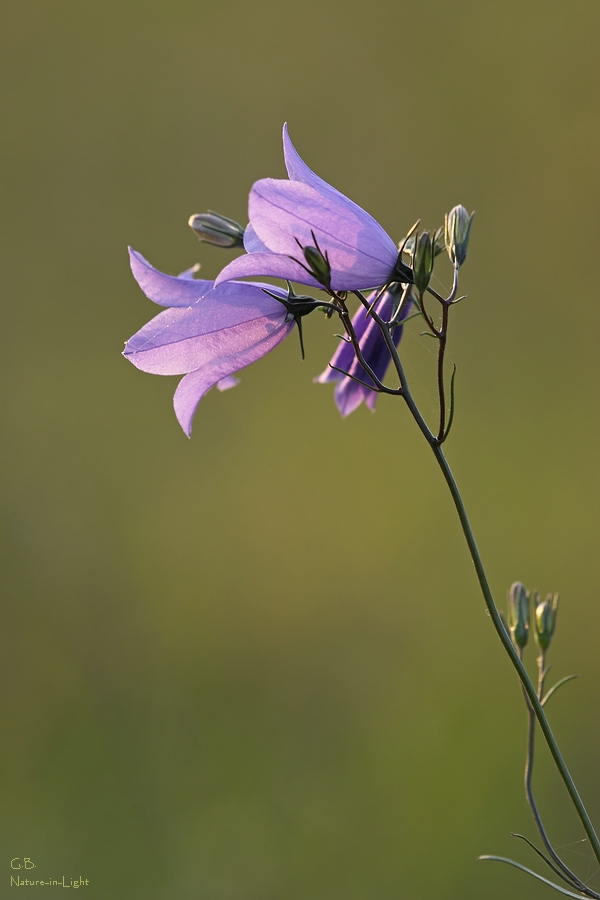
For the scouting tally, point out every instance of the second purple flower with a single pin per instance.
(287, 216)
(348, 393)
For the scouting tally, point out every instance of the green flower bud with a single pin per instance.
(518, 614)
(423, 261)
(217, 230)
(456, 234)
(318, 265)
(545, 620)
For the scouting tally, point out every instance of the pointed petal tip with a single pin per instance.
(348, 395)
(134, 256)
(225, 384)
(344, 413)
(328, 376)
(371, 400)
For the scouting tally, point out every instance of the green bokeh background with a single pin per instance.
(255, 665)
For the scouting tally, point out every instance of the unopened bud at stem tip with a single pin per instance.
(456, 233)
(217, 230)
(545, 620)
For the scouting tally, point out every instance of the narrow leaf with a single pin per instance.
(546, 859)
(556, 687)
(511, 862)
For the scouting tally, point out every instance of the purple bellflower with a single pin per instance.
(206, 334)
(349, 394)
(287, 216)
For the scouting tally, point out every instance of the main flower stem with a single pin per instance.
(528, 687)
(512, 651)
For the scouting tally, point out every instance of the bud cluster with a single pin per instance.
(453, 236)
(544, 616)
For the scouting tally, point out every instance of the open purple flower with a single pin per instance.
(349, 394)
(206, 334)
(305, 212)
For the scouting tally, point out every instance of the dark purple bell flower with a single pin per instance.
(349, 394)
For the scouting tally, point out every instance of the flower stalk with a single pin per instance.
(435, 442)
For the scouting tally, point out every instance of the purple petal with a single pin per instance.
(348, 396)
(194, 386)
(189, 274)
(371, 399)
(225, 384)
(298, 170)
(166, 290)
(208, 332)
(285, 214)
(265, 265)
(252, 243)
(180, 340)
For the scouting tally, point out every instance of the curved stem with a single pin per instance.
(512, 652)
(501, 631)
(546, 859)
(511, 862)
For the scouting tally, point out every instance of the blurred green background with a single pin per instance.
(255, 665)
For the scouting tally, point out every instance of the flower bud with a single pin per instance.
(518, 614)
(218, 230)
(456, 234)
(545, 620)
(318, 265)
(423, 261)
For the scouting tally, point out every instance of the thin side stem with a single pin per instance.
(442, 339)
(347, 323)
(564, 869)
(429, 437)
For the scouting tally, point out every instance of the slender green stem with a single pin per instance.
(512, 652)
(442, 338)
(556, 686)
(501, 631)
(546, 859)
